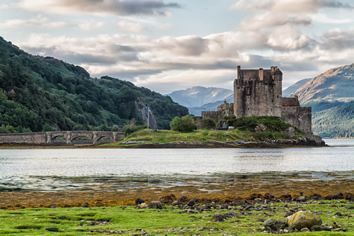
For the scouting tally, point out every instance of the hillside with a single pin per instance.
(329, 89)
(43, 93)
(199, 96)
(335, 122)
(294, 87)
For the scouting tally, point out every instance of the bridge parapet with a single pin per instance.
(49, 137)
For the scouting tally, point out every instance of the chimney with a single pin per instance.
(261, 75)
(238, 72)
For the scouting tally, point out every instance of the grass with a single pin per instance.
(167, 136)
(245, 131)
(169, 221)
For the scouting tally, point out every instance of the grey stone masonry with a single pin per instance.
(49, 137)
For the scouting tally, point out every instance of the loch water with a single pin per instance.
(39, 168)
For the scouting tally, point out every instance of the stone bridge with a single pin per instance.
(67, 136)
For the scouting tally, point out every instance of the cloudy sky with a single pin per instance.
(167, 45)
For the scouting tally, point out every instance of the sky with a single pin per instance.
(169, 45)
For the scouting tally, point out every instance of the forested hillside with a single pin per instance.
(335, 122)
(43, 93)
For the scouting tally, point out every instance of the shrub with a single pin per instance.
(208, 123)
(184, 124)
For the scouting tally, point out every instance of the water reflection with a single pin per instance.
(51, 169)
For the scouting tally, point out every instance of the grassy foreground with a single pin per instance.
(168, 221)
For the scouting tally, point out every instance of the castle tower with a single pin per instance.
(258, 92)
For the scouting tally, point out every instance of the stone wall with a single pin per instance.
(300, 117)
(216, 116)
(28, 138)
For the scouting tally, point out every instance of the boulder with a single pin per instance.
(274, 225)
(303, 219)
(155, 205)
(139, 201)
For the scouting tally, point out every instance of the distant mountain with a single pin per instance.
(199, 96)
(294, 87)
(335, 122)
(209, 106)
(334, 87)
(43, 93)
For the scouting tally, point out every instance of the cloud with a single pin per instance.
(337, 39)
(289, 5)
(37, 22)
(322, 18)
(130, 27)
(4, 6)
(287, 38)
(113, 7)
(88, 26)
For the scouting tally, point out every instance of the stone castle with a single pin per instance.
(259, 93)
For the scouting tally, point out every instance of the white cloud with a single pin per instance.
(89, 26)
(287, 38)
(4, 6)
(38, 21)
(130, 27)
(114, 7)
(322, 18)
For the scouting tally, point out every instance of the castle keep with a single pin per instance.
(259, 93)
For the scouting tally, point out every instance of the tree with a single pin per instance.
(184, 124)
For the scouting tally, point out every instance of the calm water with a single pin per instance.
(18, 166)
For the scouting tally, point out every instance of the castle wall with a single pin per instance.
(300, 117)
(258, 93)
(216, 116)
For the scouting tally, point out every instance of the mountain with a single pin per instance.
(335, 122)
(43, 93)
(209, 106)
(332, 88)
(294, 87)
(198, 96)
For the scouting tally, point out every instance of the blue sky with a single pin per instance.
(176, 44)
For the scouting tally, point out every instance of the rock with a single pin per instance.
(291, 132)
(338, 214)
(138, 201)
(155, 205)
(260, 128)
(320, 228)
(168, 199)
(85, 205)
(191, 203)
(52, 229)
(183, 199)
(305, 230)
(274, 225)
(303, 219)
(219, 217)
(301, 199)
(142, 206)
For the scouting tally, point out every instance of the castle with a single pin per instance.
(259, 93)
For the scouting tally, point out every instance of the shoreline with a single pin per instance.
(285, 190)
(111, 191)
(174, 145)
